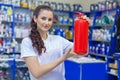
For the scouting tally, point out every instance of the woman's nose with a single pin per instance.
(46, 22)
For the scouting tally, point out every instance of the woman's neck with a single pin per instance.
(44, 35)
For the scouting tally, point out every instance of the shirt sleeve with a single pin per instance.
(27, 48)
(66, 44)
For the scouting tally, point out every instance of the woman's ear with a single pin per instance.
(35, 19)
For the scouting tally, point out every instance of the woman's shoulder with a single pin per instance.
(26, 39)
(55, 37)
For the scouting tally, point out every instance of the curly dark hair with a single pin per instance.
(37, 41)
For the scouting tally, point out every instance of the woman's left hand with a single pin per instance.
(87, 18)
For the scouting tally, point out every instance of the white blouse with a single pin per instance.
(55, 47)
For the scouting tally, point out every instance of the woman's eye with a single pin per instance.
(50, 19)
(43, 18)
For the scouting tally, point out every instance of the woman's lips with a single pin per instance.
(46, 27)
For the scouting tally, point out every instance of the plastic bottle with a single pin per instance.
(80, 35)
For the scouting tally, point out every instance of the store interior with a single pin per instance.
(102, 61)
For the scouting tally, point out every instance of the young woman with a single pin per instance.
(43, 53)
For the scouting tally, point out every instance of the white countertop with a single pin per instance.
(85, 60)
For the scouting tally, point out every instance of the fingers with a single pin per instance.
(69, 51)
(87, 18)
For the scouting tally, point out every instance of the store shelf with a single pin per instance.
(6, 59)
(111, 57)
(113, 74)
(5, 37)
(22, 23)
(101, 41)
(64, 25)
(20, 7)
(62, 11)
(104, 26)
(19, 60)
(113, 66)
(104, 11)
(5, 22)
(96, 54)
(9, 5)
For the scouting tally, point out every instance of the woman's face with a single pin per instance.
(44, 20)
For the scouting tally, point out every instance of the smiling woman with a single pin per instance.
(43, 53)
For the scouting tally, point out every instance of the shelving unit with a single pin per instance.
(101, 47)
(11, 66)
(112, 62)
(7, 61)
(22, 28)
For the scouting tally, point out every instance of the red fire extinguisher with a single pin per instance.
(80, 35)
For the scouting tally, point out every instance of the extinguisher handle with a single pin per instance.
(79, 14)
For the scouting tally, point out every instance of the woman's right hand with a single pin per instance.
(69, 53)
